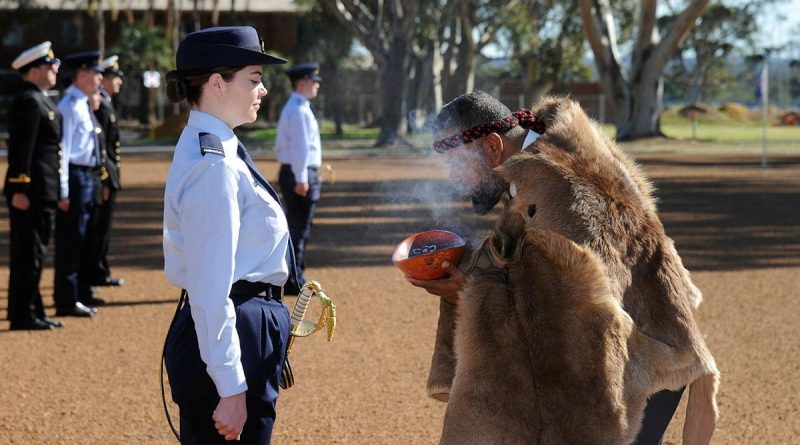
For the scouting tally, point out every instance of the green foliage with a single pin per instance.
(701, 69)
(546, 39)
(327, 132)
(142, 48)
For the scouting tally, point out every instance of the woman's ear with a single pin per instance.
(216, 84)
(492, 147)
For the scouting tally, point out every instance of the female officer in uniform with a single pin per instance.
(226, 243)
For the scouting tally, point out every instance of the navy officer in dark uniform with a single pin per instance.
(299, 150)
(226, 243)
(81, 165)
(99, 270)
(31, 184)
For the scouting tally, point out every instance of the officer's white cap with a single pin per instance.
(109, 62)
(42, 50)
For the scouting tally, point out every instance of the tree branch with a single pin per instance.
(677, 34)
(598, 24)
(647, 35)
(493, 25)
(360, 26)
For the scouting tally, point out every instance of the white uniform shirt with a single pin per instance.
(220, 226)
(297, 142)
(78, 134)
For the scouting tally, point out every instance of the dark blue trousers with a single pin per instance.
(660, 408)
(263, 329)
(299, 212)
(30, 233)
(72, 241)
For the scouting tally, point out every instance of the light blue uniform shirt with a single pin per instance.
(78, 134)
(297, 142)
(220, 226)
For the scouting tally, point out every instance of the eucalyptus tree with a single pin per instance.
(546, 44)
(702, 66)
(386, 29)
(634, 92)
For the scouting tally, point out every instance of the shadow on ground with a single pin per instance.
(736, 220)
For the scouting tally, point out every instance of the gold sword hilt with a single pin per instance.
(298, 314)
(304, 328)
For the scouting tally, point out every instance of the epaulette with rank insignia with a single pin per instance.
(210, 143)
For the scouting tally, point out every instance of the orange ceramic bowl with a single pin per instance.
(421, 255)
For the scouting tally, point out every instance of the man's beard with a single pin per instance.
(488, 192)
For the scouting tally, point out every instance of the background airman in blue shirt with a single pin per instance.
(299, 151)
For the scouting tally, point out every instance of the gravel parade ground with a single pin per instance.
(96, 381)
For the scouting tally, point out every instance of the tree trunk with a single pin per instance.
(196, 16)
(393, 92)
(643, 109)
(634, 103)
(436, 76)
(463, 80)
(215, 13)
(101, 28)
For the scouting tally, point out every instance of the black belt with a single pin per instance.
(81, 167)
(310, 167)
(249, 288)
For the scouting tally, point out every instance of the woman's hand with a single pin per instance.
(301, 188)
(230, 415)
(447, 287)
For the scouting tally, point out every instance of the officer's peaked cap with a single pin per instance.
(110, 66)
(39, 54)
(223, 46)
(304, 71)
(83, 60)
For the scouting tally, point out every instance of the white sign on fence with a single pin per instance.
(152, 79)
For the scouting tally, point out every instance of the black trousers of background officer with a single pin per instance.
(30, 234)
(299, 214)
(72, 283)
(100, 239)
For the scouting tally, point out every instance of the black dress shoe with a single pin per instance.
(53, 322)
(79, 310)
(31, 325)
(108, 281)
(92, 301)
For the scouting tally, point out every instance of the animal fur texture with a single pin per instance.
(579, 308)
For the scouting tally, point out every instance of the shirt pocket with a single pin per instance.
(269, 210)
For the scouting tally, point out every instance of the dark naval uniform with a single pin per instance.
(100, 237)
(33, 169)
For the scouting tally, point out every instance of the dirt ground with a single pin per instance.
(96, 381)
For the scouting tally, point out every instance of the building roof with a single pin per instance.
(203, 5)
